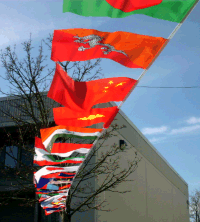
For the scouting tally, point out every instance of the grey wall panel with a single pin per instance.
(159, 196)
(152, 191)
(131, 135)
(180, 206)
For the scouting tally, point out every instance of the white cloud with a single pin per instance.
(193, 120)
(157, 139)
(154, 130)
(183, 130)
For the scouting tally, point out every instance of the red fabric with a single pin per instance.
(67, 147)
(56, 175)
(83, 95)
(54, 168)
(67, 117)
(68, 51)
(129, 49)
(131, 5)
(50, 212)
(66, 186)
(45, 162)
(39, 144)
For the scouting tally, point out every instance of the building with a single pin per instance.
(158, 193)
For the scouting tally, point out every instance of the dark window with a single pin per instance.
(2, 157)
(27, 157)
(122, 144)
(11, 157)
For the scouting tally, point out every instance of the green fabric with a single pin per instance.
(49, 194)
(169, 10)
(69, 136)
(69, 158)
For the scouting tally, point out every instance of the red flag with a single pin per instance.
(67, 117)
(83, 95)
(129, 49)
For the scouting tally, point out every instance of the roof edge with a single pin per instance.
(147, 141)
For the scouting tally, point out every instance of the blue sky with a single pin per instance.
(169, 118)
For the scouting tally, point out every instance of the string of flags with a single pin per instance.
(54, 179)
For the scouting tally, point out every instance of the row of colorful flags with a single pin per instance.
(58, 162)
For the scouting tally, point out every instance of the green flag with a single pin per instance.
(171, 10)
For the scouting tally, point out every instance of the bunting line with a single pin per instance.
(47, 204)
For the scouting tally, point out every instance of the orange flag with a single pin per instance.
(83, 95)
(67, 117)
(129, 49)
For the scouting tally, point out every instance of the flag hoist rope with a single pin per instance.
(141, 76)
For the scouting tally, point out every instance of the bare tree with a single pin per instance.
(195, 206)
(28, 109)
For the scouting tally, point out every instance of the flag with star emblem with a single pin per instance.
(81, 96)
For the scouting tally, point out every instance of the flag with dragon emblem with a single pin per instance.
(128, 49)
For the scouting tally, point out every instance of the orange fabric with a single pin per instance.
(141, 49)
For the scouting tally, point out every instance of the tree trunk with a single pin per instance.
(37, 213)
(65, 217)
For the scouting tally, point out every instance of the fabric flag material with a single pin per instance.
(66, 149)
(46, 196)
(65, 186)
(43, 161)
(43, 157)
(171, 10)
(60, 175)
(48, 170)
(131, 5)
(48, 203)
(60, 181)
(53, 210)
(68, 117)
(49, 135)
(51, 192)
(59, 204)
(49, 187)
(128, 49)
(83, 95)
(44, 182)
(43, 197)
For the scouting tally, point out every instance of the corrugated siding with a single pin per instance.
(12, 105)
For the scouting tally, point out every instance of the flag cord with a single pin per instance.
(168, 39)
